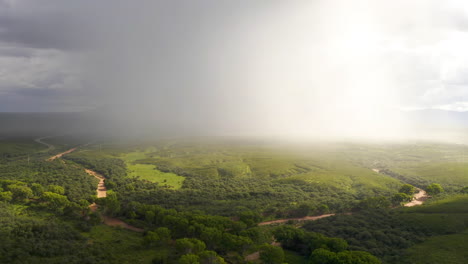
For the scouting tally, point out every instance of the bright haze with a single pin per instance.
(292, 69)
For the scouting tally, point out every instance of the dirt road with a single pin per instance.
(306, 218)
(101, 188)
(49, 146)
(418, 198)
(101, 193)
(61, 154)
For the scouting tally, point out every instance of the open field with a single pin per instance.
(150, 172)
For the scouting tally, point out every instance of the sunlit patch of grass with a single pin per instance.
(151, 173)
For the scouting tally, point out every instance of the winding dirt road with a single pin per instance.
(418, 198)
(101, 188)
(101, 192)
(49, 146)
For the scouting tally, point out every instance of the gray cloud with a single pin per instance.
(320, 67)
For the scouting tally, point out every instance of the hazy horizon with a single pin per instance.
(297, 70)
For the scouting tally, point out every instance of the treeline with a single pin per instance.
(77, 184)
(416, 181)
(320, 249)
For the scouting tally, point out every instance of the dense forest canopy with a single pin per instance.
(196, 201)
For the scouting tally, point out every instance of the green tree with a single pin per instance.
(211, 236)
(210, 257)
(189, 259)
(20, 192)
(56, 189)
(323, 256)
(6, 196)
(374, 203)
(289, 236)
(271, 254)
(232, 242)
(357, 257)
(323, 209)
(55, 201)
(408, 189)
(110, 202)
(151, 238)
(37, 189)
(161, 257)
(149, 217)
(336, 244)
(399, 198)
(164, 234)
(250, 218)
(464, 189)
(434, 189)
(189, 246)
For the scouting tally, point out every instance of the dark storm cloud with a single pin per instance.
(46, 24)
(232, 66)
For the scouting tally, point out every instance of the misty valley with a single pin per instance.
(69, 199)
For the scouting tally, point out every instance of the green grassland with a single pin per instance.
(150, 172)
(449, 249)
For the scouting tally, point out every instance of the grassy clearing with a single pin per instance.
(150, 172)
(449, 249)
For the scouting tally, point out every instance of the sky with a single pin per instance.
(253, 67)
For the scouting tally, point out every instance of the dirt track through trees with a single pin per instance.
(418, 198)
(306, 218)
(101, 192)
